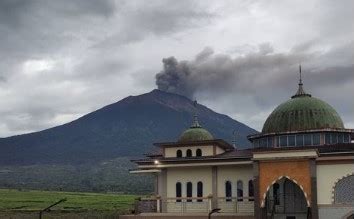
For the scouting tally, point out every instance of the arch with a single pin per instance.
(228, 191)
(240, 190)
(336, 184)
(178, 191)
(189, 153)
(250, 190)
(178, 153)
(200, 190)
(198, 152)
(275, 181)
(349, 215)
(189, 191)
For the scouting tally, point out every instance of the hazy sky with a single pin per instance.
(62, 59)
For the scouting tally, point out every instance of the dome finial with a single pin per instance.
(195, 123)
(300, 80)
(300, 91)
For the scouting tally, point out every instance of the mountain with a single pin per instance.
(123, 129)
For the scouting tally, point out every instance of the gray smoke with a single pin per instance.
(219, 73)
(262, 74)
(174, 77)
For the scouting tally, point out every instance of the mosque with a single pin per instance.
(300, 166)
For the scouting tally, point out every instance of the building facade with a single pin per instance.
(300, 166)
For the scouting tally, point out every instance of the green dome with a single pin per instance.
(300, 113)
(195, 134)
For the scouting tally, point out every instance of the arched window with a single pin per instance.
(198, 152)
(179, 153)
(276, 193)
(344, 190)
(178, 191)
(228, 191)
(189, 153)
(250, 190)
(200, 191)
(240, 190)
(189, 191)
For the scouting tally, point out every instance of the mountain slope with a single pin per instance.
(125, 128)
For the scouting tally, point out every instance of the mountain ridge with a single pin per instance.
(127, 127)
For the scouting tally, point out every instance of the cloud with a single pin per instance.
(59, 56)
(220, 73)
(63, 59)
(265, 76)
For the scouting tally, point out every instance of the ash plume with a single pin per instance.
(220, 73)
(259, 74)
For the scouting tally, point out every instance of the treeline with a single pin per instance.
(107, 176)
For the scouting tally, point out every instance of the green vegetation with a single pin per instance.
(108, 176)
(14, 202)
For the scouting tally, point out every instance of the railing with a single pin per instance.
(188, 204)
(244, 205)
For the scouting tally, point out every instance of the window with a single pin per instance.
(276, 193)
(299, 140)
(283, 140)
(200, 191)
(334, 139)
(239, 191)
(344, 190)
(250, 191)
(291, 140)
(228, 191)
(340, 137)
(189, 191)
(316, 139)
(307, 139)
(346, 138)
(178, 191)
(277, 141)
(327, 138)
(179, 153)
(270, 141)
(256, 143)
(189, 153)
(198, 152)
(263, 142)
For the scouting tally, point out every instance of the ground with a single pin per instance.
(27, 204)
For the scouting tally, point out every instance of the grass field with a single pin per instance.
(22, 202)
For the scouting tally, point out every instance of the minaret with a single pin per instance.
(300, 91)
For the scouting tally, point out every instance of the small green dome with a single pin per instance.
(195, 134)
(300, 113)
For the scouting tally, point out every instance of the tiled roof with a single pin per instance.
(221, 143)
(247, 154)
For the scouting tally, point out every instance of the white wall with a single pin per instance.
(233, 174)
(219, 150)
(189, 174)
(327, 175)
(206, 150)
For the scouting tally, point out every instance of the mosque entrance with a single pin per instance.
(286, 200)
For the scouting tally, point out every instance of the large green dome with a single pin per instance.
(195, 134)
(300, 113)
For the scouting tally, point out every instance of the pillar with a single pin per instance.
(313, 174)
(214, 189)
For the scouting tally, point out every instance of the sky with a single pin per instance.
(60, 60)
